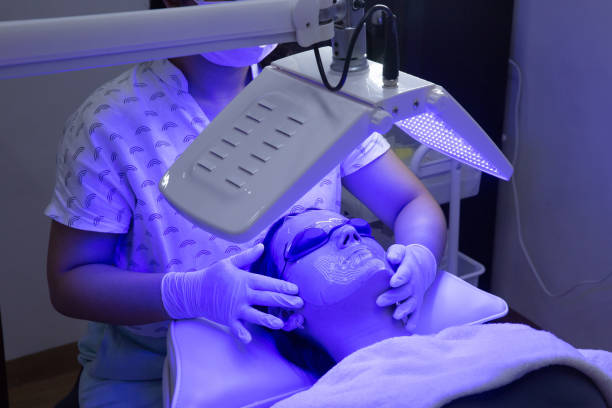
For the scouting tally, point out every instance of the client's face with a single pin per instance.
(327, 255)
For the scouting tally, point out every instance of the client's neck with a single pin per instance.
(356, 322)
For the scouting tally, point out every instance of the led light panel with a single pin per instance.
(432, 131)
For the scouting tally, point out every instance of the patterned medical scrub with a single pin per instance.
(115, 149)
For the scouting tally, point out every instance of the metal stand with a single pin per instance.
(454, 211)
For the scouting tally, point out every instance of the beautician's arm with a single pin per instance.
(84, 284)
(397, 197)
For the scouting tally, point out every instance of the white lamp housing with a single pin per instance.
(286, 131)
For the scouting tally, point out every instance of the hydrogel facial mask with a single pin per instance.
(336, 270)
(339, 276)
(343, 270)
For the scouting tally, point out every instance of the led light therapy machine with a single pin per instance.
(291, 125)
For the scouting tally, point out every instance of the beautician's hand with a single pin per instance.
(415, 270)
(225, 292)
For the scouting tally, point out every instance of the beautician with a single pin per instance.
(122, 258)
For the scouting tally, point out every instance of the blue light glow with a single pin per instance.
(430, 130)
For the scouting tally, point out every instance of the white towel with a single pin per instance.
(430, 371)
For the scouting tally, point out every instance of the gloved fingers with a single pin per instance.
(245, 258)
(240, 331)
(413, 320)
(395, 253)
(404, 272)
(405, 308)
(424, 260)
(262, 282)
(260, 318)
(274, 299)
(395, 295)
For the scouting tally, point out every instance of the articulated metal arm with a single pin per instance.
(42, 46)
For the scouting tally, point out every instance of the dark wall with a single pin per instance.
(462, 45)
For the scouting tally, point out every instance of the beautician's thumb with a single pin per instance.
(248, 256)
(395, 253)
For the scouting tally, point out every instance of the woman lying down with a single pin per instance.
(367, 359)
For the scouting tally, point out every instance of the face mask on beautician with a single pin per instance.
(237, 57)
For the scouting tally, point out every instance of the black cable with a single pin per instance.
(391, 62)
(391, 58)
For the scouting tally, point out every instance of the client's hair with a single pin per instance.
(295, 347)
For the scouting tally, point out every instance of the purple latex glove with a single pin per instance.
(225, 293)
(415, 270)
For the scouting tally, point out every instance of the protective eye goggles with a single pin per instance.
(314, 238)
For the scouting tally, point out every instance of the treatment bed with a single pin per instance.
(207, 367)
(257, 376)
